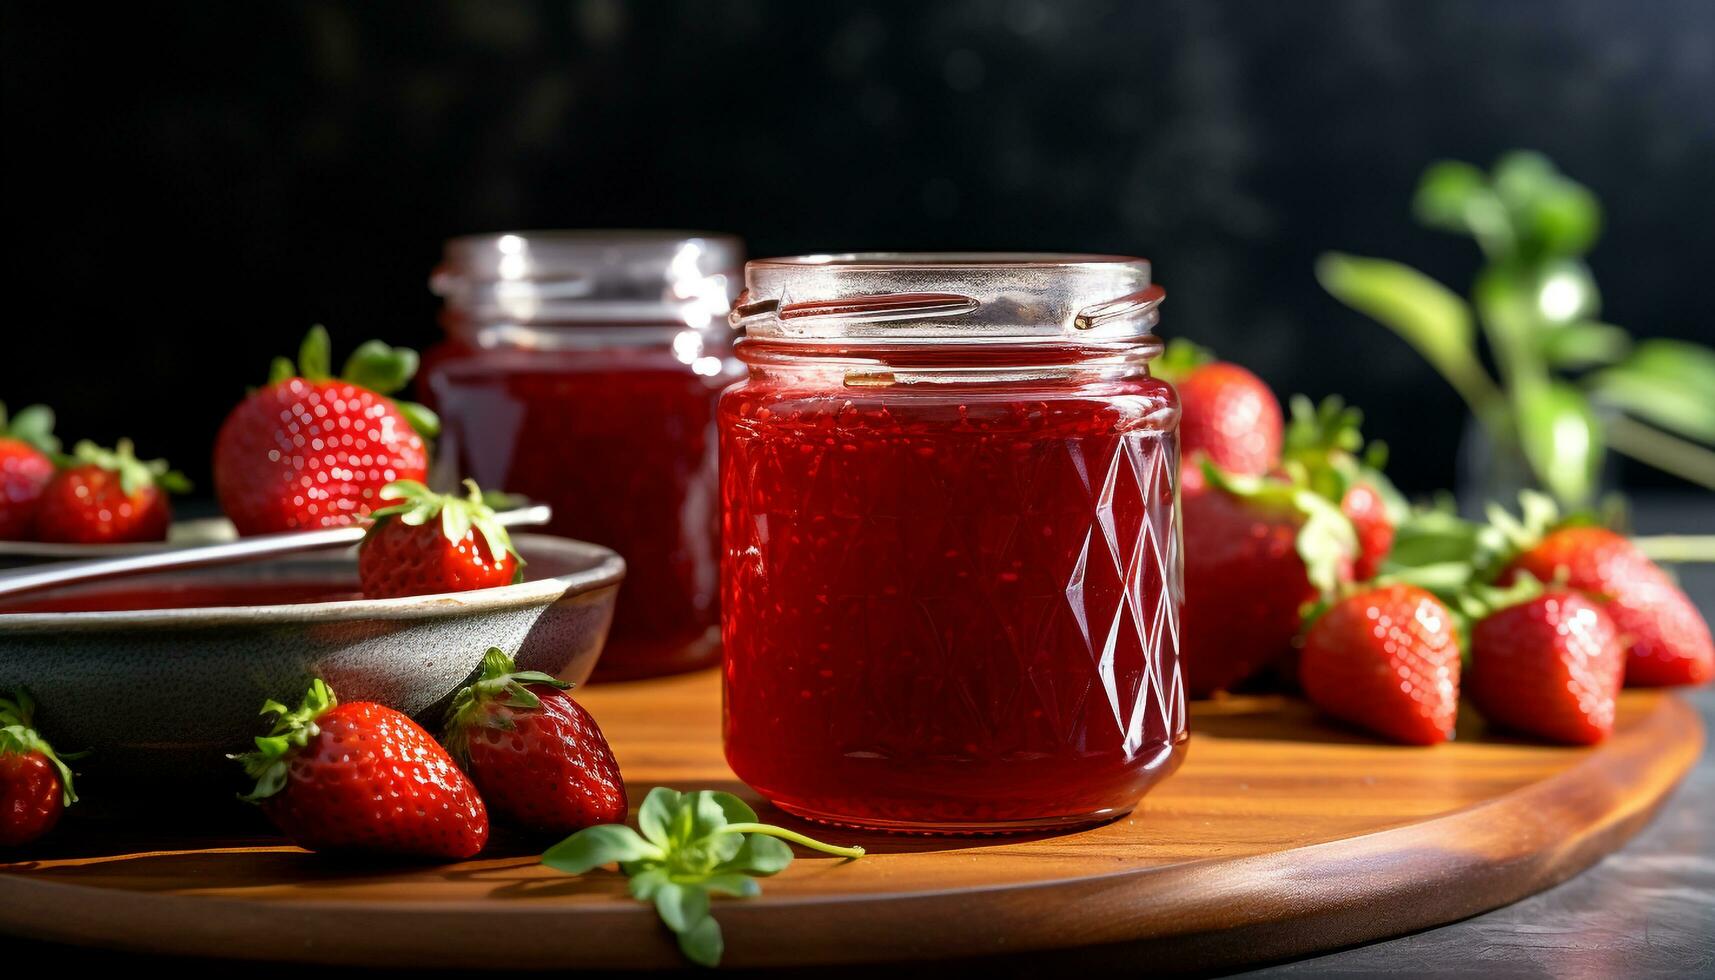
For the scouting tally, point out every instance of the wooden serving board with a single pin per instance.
(1281, 835)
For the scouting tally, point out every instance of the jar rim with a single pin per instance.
(988, 297)
(952, 260)
(603, 276)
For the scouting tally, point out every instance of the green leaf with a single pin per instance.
(414, 504)
(1553, 214)
(1437, 550)
(315, 355)
(1325, 540)
(711, 811)
(1585, 344)
(673, 863)
(1482, 599)
(1447, 580)
(1522, 175)
(760, 855)
(1445, 191)
(1179, 358)
(1456, 197)
(134, 474)
(422, 420)
(501, 500)
(380, 368)
(1425, 313)
(1323, 444)
(280, 369)
(34, 425)
(655, 816)
(681, 906)
(1567, 221)
(736, 884)
(1506, 301)
(593, 847)
(646, 878)
(19, 736)
(1561, 438)
(702, 943)
(1667, 382)
(499, 682)
(455, 523)
(706, 853)
(1433, 537)
(291, 731)
(732, 808)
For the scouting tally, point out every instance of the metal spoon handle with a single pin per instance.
(37, 577)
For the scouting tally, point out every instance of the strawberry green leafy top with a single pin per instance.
(418, 505)
(134, 474)
(499, 682)
(1179, 358)
(1325, 540)
(373, 365)
(293, 729)
(18, 734)
(33, 425)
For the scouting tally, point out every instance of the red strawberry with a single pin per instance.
(27, 448)
(35, 785)
(1256, 552)
(1227, 414)
(362, 777)
(310, 450)
(1385, 659)
(1666, 639)
(1550, 666)
(536, 755)
(432, 543)
(1326, 450)
(1364, 506)
(108, 496)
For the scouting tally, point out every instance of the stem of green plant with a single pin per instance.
(769, 830)
(1667, 453)
(1677, 548)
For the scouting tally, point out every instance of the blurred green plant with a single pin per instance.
(1567, 387)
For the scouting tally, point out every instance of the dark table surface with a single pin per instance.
(1645, 911)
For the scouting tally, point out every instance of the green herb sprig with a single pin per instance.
(691, 847)
(1567, 387)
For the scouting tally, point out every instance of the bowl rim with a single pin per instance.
(605, 569)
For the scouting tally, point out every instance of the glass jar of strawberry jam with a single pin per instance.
(951, 567)
(581, 369)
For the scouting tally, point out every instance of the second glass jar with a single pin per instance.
(951, 571)
(582, 369)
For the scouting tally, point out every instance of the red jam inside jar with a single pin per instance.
(581, 369)
(951, 573)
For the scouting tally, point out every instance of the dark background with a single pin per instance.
(188, 186)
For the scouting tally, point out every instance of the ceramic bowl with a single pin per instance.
(166, 693)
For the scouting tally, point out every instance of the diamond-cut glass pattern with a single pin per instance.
(959, 611)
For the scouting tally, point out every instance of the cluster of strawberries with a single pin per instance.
(360, 776)
(309, 449)
(312, 450)
(92, 495)
(1290, 561)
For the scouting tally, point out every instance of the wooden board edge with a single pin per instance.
(1290, 903)
(1239, 911)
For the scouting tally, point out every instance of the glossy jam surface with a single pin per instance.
(117, 596)
(621, 443)
(951, 607)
